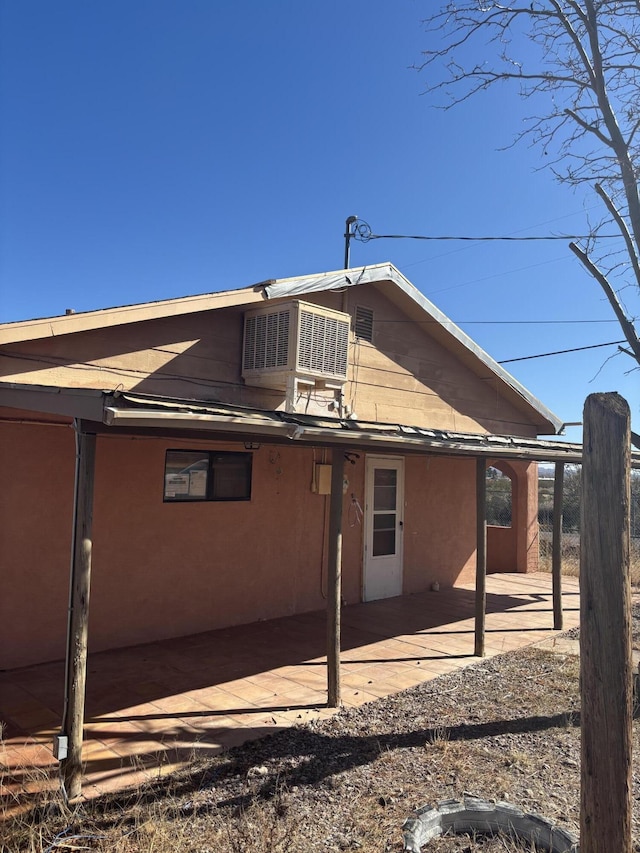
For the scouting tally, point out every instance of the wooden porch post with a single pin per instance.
(605, 627)
(556, 545)
(73, 721)
(481, 554)
(334, 579)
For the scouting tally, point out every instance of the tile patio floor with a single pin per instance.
(151, 708)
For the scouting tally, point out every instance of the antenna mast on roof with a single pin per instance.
(348, 234)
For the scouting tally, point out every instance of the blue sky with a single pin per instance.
(153, 149)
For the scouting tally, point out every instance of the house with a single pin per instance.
(218, 422)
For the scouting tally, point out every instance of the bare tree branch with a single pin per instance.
(588, 127)
(625, 324)
(622, 225)
(583, 75)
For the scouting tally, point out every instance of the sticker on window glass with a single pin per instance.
(176, 484)
(198, 484)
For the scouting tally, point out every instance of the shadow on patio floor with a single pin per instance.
(154, 707)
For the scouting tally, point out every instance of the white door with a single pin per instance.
(383, 527)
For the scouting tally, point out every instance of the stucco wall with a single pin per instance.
(36, 506)
(528, 550)
(159, 569)
(439, 530)
(516, 548)
(169, 569)
(165, 569)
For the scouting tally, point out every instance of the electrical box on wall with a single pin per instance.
(321, 479)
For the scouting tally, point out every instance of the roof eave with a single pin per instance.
(125, 412)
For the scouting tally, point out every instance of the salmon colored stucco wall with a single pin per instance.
(516, 548)
(169, 569)
(353, 528)
(528, 549)
(502, 549)
(158, 569)
(439, 529)
(36, 507)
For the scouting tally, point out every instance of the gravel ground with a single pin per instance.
(504, 729)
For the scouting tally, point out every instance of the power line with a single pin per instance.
(519, 231)
(496, 322)
(560, 352)
(484, 238)
(564, 258)
(360, 230)
(528, 322)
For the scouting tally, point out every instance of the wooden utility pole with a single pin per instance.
(334, 579)
(605, 627)
(80, 583)
(481, 554)
(556, 545)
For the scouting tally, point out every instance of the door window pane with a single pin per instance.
(384, 488)
(384, 543)
(384, 534)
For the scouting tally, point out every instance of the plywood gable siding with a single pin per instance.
(172, 348)
(442, 399)
(193, 357)
(403, 376)
(406, 376)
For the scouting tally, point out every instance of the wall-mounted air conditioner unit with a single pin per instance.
(295, 341)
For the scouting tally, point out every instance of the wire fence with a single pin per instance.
(499, 512)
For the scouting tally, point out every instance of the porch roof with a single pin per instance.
(107, 412)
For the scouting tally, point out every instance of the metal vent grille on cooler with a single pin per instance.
(295, 343)
(266, 341)
(323, 344)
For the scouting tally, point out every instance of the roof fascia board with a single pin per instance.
(387, 272)
(67, 324)
(457, 333)
(544, 451)
(83, 403)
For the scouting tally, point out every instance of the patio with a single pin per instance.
(152, 708)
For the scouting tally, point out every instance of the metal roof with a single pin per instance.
(141, 412)
(123, 412)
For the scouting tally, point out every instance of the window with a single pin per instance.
(201, 475)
